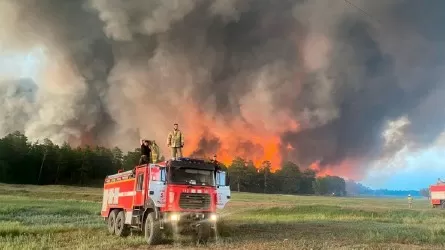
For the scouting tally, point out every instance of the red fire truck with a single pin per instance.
(437, 194)
(177, 196)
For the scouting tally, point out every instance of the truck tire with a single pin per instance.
(152, 230)
(442, 204)
(111, 221)
(120, 228)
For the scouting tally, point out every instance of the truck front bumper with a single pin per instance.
(189, 221)
(194, 216)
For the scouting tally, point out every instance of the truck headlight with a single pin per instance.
(174, 217)
(213, 217)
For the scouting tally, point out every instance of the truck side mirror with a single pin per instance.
(227, 180)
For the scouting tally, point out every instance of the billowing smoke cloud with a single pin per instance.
(16, 104)
(307, 81)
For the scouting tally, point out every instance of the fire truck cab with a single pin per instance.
(171, 197)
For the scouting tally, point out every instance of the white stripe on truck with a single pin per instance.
(131, 193)
(439, 195)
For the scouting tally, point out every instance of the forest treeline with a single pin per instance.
(44, 163)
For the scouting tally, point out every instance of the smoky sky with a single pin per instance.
(122, 70)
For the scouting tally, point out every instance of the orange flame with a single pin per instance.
(236, 138)
(344, 169)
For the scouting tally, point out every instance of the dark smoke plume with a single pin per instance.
(252, 78)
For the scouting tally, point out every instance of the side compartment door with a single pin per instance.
(157, 185)
(223, 189)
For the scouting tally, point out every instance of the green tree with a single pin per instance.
(288, 178)
(118, 157)
(330, 185)
(265, 174)
(131, 159)
(44, 162)
(307, 178)
(236, 171)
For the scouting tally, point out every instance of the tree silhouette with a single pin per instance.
(43, 162)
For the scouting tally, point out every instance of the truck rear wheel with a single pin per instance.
(120, 229)
(111, 221)
(152, 230)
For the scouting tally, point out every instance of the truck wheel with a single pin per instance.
(120, 229)
(203, 233)
(111, 221)
(152, 230)
(442, 204)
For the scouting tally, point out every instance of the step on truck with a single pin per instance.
(169, 198)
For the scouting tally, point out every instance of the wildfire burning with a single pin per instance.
(346, 168)
(271, 81)
(206, 136)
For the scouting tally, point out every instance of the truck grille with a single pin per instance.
(194, 201)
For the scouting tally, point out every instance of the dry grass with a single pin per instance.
(58, 217)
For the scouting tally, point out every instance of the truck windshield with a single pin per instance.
(192, 177)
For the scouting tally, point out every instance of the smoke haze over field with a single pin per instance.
(316, 82)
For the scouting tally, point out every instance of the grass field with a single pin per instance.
(59, 217)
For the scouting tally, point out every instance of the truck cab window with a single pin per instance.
(158, 173)
(221, 178)
(155, 173)
(140, 181)
(163, 174)
(192, 177)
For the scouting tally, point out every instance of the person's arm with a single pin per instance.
(169, 139)
(182, 139)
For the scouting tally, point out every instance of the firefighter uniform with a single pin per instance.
(410, 201)
(154, 152)
(176, 142)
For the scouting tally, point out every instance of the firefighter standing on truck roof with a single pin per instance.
(175, 140)
(154, 152)
(410, 201)
(145, 152)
